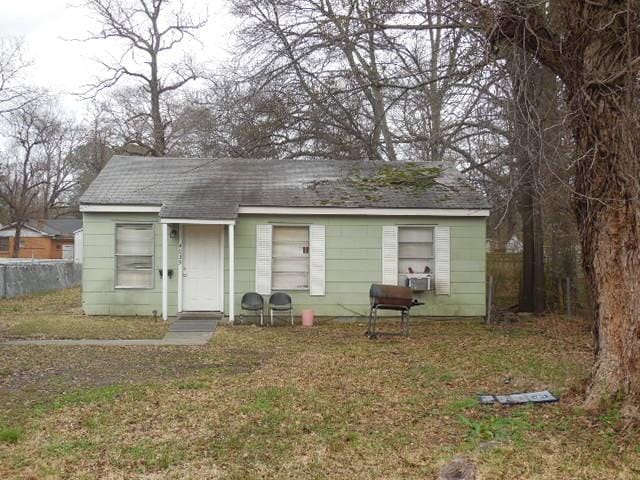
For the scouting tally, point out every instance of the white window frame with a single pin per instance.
(115, 256)
(308, 287)
(432, 258)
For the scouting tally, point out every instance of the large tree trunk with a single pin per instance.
(16, 241)
(532, 288)
(607, 198)
(608, 210)
(595, 50)
(527, 145)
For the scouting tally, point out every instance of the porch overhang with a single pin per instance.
(197, 221)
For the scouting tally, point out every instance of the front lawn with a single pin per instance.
(311, 403)
(58, 315)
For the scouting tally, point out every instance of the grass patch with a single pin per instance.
(58, 315)
(65, 449)
(192, 385)
(102, 395)
(462, 404)
(148, 456)
(312, 403)
(497, 427)
(267, 399)
(10, 435)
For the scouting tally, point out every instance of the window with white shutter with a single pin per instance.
(417, 249)
(390, 255)
(317, 260)
(443, 261)
(134, 252)
(264, 234)
(416, 253)
(290, 267)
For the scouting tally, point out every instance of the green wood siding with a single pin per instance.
(99, 297)
(353, 262)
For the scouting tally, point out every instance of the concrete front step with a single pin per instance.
(199, 316)
(193, 326)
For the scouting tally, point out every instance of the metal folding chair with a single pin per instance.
(280, 302)
(253, 302)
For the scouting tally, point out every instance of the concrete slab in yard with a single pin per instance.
(192, 326)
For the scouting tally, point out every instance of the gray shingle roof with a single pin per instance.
(215, 188)
(56, 227)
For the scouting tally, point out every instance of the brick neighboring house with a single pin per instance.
(41, 238)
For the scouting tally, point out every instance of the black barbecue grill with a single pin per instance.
(390, 297)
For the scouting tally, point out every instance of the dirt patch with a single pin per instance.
(34, 374)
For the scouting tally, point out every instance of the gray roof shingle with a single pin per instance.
(57, 226)
(215, 188)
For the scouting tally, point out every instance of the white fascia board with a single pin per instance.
(120, 208)
(384, 212)
(195, 221)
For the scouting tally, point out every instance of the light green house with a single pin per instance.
(166, 235)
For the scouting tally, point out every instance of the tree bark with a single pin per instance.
(159, 141)
(527, 144)
(596, 52)
(607, 196)
(16, 241)
(608, 211)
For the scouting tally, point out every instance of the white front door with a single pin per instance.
(202, 268)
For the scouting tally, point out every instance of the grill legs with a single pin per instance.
(373, 320)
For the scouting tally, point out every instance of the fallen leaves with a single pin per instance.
(307, 403)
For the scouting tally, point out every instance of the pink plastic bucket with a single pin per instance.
(307, 318)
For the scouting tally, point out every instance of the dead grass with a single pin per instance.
(54, 315)
(311, 403)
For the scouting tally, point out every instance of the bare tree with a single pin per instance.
(13, 93)
(594, 49)
(37, 174)
(332, 56)
(21, 179)
(60, 173)
(96, 146)
(379, 79)
(151, 32)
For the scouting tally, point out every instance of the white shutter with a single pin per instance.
(390, 255)
(263, 259)
(316, 260)
(443, 253)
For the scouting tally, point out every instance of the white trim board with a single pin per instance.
(385, 212)
(120, 208)
(194, 221)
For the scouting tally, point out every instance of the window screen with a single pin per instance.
(415, 252)
(4, 244)
(134, 256)
(290, 250)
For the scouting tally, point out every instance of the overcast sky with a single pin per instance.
(64, 66)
